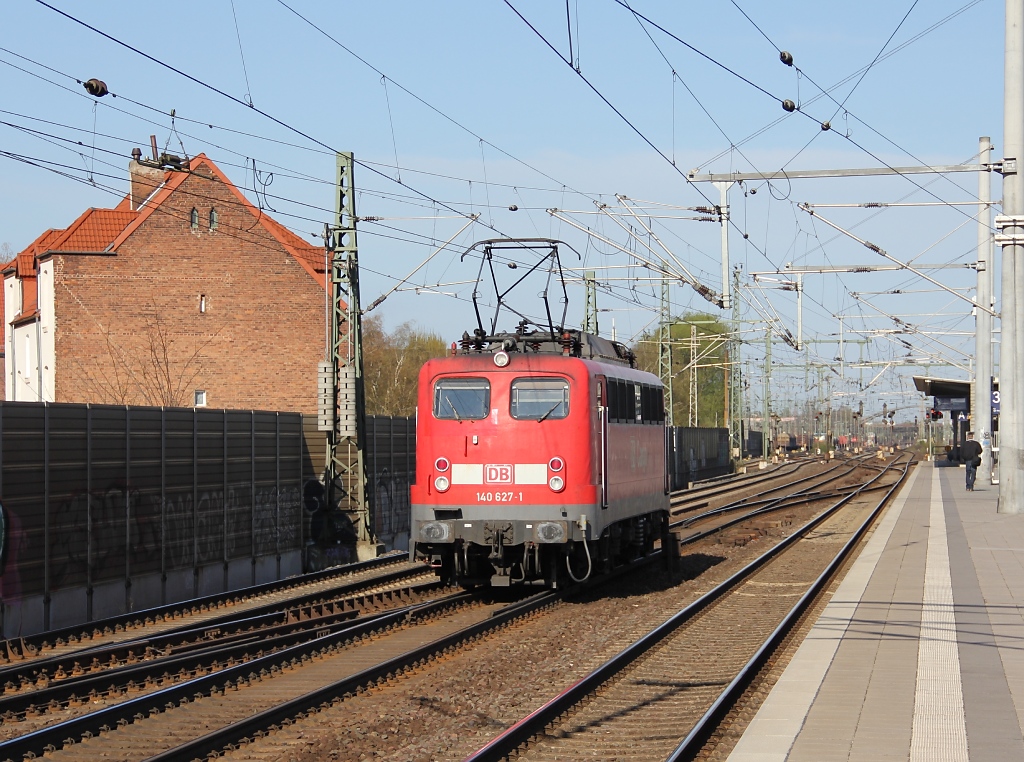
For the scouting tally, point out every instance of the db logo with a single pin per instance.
(498, 474)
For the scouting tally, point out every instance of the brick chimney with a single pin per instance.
(144, 180)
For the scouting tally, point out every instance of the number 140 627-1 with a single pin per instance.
(499, 497)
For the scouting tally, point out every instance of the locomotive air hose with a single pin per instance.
(568, 565)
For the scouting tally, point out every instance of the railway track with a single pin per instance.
(107, 674)
(663, 696)
(252, 696)
(130, 626)
(193, 713)
(701, 493)
(778, 480)
(466, 692)
(815, 487)
(144, 726)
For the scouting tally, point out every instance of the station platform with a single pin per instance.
(920, 653)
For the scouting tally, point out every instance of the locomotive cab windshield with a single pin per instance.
(462, 399)
(539, 399)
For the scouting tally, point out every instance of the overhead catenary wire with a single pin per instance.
(242, 133)
(224, 94)
(67, 171)
(489, 205)
(641, 134)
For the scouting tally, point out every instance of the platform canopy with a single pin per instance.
(942, 387)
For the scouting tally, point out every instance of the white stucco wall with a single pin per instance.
(47, 325)
(12, 306)
(26, 379)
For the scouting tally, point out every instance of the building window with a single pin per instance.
(195, 219)
(202, 303)
(213, 219)
(200, 398)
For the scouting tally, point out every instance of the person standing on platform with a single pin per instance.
(971, 455)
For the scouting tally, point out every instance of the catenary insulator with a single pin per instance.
(96, 87)
(788, 105)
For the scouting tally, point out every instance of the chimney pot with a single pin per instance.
(144, 180)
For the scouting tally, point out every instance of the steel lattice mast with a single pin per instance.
(343, 408)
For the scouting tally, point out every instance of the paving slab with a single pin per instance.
(920, 653)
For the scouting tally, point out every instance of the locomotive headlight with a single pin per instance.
(550, 531)
(501, 359)
(557, 483)
(442, 484)
(435, 531)
(442, 464)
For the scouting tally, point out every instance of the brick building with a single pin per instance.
(183, 294)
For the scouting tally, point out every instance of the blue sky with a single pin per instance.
(510, 123)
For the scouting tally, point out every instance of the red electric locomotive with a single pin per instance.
(540, 458)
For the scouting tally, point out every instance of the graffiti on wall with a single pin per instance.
(331, 535)
(391, 503)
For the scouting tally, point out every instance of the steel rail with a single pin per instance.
(207, 655)
(55, 736)
(192, 632)
(258, 723)
(253, 726)
(773, 506)
(33, 643)
(521, 732)
(726, 484)
(749, 501)
(698, 736)
(770, 504)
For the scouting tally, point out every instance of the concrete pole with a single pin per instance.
(828, 412)
(842, 351)
(1011, 478)
(692, 403)
(799, 311)
(765, 439)
(982, 417)
(723, 190)
(736, 373)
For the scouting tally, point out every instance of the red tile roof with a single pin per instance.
(307, 252)
(26, 264)
(42, 243)
(95, 230)
(106, 229)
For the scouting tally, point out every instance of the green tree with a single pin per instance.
(392, 362)
(711, 358)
